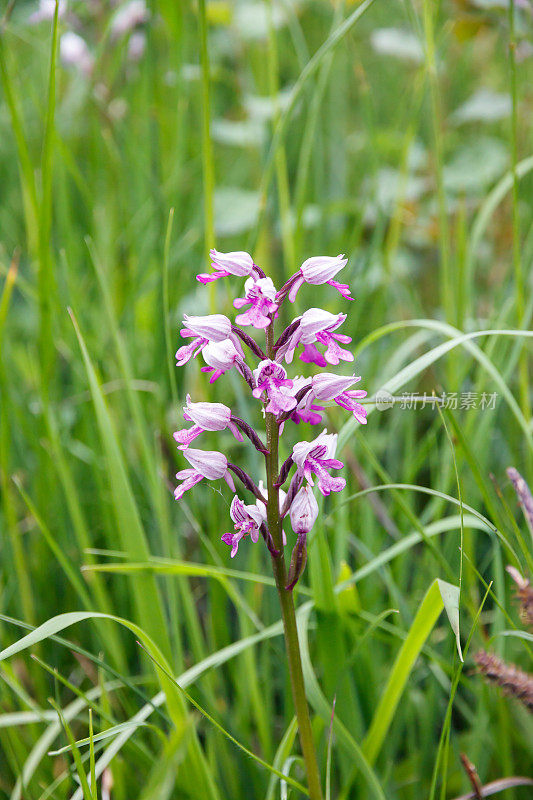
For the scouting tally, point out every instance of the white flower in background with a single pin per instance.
(73, 52)
(128, 17)
(136, 45)
(46, 11)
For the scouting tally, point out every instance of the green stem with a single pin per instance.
(286, 600)
(436, 113)
(517, 256)
(207, 148)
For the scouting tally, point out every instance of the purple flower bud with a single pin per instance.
(304, 510)
(316, 457)
(236, 263)
(321, 269)
(260, 294)
(247, 519)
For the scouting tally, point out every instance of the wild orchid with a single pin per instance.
(223, 346)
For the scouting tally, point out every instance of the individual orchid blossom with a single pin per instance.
(284, 400)
(220, 357)
(327, 386)
(208, 464)
(260, 294)
(248, 520)
(316, 271)
(306, 410)
(271, 379)
(206, 417)
(317, 326)
(316, 458)
(202, 330)
(237, 263)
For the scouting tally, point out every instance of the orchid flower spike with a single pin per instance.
(263, 365)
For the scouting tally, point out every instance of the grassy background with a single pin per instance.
(331, 127)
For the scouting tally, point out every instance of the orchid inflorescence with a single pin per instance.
(223, 345)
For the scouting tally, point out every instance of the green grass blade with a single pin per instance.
(423, 623)
(86, 789)
(129, 526)
(227, 734)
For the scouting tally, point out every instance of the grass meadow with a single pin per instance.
(395, 131)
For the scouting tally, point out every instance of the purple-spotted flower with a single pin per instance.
(202, 330)
(316, 271)
(317, 326)
(260, 295)
(327, 386)
(206, 417)
(248, 520)
(271, 379)
(225, 264)
(316, 458)
(209, 464)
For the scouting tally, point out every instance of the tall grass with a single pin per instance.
(292, 128)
